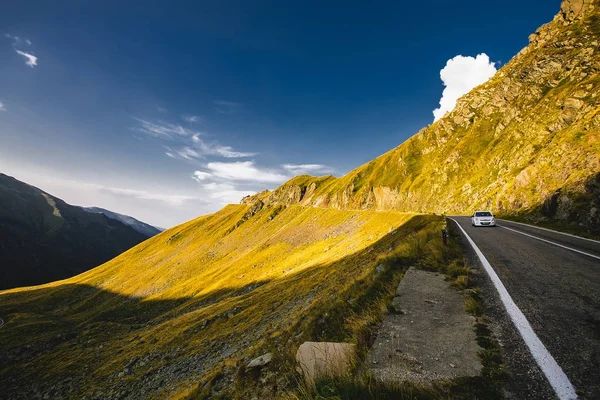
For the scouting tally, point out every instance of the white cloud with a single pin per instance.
(460, 75)
(196, 147)
(228, 152)
(31, 60)
(301, 169)
(17, 40)
(2, 108)
(191, 118)
(201, 176)
(162, 129)
(201, 149)
(225, 193)
(161, 109)
(171, 199)
(187, 153)
(244, 171)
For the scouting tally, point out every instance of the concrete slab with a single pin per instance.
(430, 337)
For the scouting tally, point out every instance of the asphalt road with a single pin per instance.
(558, 291)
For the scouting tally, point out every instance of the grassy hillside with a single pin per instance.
(186, 305)
(43, 239)
(527, 141)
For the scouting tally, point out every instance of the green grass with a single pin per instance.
(360, 385)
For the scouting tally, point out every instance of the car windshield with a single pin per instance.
(483, 214)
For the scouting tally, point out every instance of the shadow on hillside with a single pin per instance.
(572, 210)
(50, 322)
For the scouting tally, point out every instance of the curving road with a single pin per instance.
(553, 279)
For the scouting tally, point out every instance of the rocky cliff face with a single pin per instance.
(528, 136)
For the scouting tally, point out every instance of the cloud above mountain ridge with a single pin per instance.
(460, 75)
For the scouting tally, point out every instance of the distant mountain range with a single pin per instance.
(138, 225)
(43, 239)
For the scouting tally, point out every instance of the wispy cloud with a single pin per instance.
(460, 75)
(242, 171)
(16, 40)
(191, 118)
(201, 176)
(225, 193)
(2, 108)
(161, 109)
(192, 144)
(31, 60)
(162, 129)
(218, 149)
(171, 199)
(187, 153)
(301, 169)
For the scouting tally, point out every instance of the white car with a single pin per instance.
(483, 218)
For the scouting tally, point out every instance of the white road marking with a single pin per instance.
(554, 373)
(551, 230)
(554, 243)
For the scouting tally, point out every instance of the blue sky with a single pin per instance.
(169, 110)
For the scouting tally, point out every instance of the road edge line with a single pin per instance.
(553, 243)
(553, 372)
(550, 230)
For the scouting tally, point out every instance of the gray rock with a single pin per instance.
(261, 361)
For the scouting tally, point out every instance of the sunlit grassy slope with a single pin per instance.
(526, 140)
(161, 316)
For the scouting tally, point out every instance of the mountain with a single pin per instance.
(139, 226)
(318, 259)
(43, 239)
(527, 141)
(186, 305)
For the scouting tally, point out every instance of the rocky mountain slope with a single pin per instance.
(141, 227)
(43, 239)
(528, 140)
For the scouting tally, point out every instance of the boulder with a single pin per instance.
(325, 359)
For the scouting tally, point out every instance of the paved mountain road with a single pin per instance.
(557, 287)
